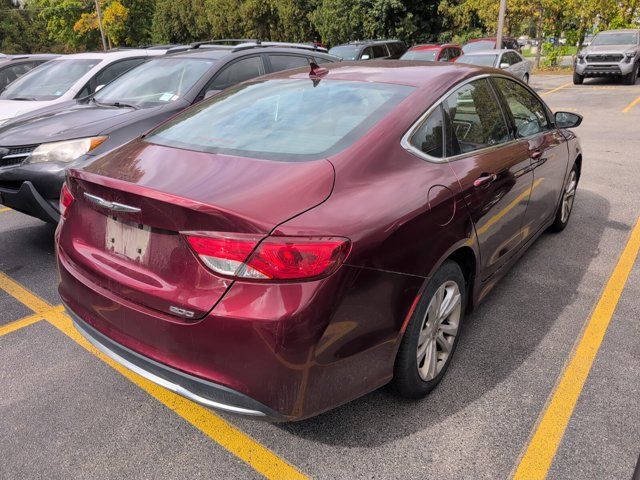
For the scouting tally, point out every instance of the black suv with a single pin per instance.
(369, 50)
(37, 148)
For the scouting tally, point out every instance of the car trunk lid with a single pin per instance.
(131, 205)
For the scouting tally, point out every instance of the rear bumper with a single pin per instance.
(206, 393)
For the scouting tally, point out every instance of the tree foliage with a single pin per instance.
(49, 24)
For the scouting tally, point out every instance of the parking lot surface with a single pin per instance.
(546, 378)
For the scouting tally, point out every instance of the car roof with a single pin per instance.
(219, 51)
(433, 46)
(401, 72)
(491, 51)
(369, 42)
(621, 30)
(113, 54)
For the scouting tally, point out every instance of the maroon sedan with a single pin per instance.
(300, 240)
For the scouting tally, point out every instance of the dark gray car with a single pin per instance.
(37, 148)
(370, 50)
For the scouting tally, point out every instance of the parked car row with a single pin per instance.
(272, 232)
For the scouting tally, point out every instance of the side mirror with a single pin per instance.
(99, 87)
(504, 65)
(365, 57)
(567, 119)
(210, 93)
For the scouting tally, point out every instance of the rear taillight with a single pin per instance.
(274, 258)
(66, 199)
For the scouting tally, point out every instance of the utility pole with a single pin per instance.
(503, 8)
(104, 42)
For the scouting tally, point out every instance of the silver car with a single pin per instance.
(612, 53)
(506, 59)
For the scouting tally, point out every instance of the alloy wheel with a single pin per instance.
(568, 197)
(439, 329)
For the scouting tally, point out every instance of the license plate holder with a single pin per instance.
(128, 240)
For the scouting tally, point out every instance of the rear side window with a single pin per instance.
(239, 71)
(285, 62)
(428, 138)
(476, 118)
(527, 111)
(380, 51)
(287, 120)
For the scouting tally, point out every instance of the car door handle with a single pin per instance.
(485, 179)
(536, 154)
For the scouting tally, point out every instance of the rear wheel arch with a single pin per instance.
(466, 259)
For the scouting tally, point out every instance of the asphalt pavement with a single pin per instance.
(66, 412)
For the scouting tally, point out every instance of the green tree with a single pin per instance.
(180, 21)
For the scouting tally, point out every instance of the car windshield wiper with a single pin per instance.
(115, 104)
(29, 99)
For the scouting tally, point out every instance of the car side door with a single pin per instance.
(546, 148)
(493, 171)
(276, 62)
(235, 71)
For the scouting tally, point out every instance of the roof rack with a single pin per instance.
(223, 42)
(259, 44)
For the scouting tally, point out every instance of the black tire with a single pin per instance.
(577, 79)
(407, 381)
(561, 221)
(630, 79)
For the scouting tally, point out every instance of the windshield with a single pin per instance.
(49, 81)
(290, 120)
(345, 52)
(481, 60)
(155, 82)
(622, 38)
(426, 55)
(480, 45)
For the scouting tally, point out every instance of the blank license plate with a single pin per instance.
(128, 240)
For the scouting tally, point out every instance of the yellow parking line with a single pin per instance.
(542, 447)
(4, 209)
(631, 105)
(215, 427)
(556, 89)
(26, 321)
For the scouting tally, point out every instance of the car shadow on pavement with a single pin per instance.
(31, 245)
(499, 335)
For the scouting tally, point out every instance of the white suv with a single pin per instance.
(613, 53)
(67, 78)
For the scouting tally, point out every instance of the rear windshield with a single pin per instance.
(621, 38)
(156, 82)
(345, 52)
(479, 45)
(426, 55)
(289, 120)
(50, 80)
(482, 60)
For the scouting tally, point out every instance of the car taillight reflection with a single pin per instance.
(272, 259)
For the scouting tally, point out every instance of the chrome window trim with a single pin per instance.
(406, 144)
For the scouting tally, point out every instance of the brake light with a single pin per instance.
(272, 259)
(66, 199)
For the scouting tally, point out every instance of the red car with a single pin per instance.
(302, 239)
(432, 52)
